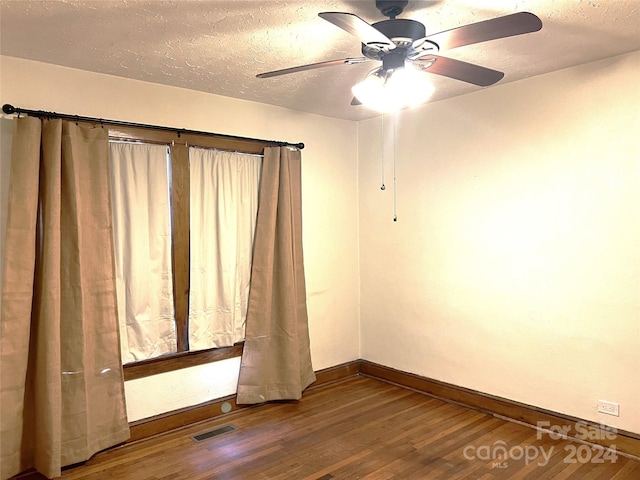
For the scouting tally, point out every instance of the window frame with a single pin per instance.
(179, 143)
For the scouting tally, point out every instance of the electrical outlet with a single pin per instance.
(610, 408)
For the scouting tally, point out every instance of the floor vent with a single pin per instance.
(326, 477)
(201, 437)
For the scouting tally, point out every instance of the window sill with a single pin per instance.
(177, 361)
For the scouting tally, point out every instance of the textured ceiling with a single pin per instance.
(219, 46)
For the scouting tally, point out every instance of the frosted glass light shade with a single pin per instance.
(394, 90)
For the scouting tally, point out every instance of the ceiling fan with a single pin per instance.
(401, 43)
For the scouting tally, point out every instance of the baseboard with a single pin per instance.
(166, 422)
(626, 442)
(336, 373)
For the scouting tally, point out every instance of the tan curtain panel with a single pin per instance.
(61, 384)
(276, 360)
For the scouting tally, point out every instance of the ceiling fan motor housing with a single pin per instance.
(402, 31)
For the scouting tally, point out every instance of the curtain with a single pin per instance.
(223, 201)
(142, 249)
(62, 390)
(276, 359)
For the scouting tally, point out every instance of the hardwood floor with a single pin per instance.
(357, 428)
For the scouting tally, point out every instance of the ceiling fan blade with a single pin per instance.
(459, 70)
(501, 27)
(360, 29)
(311, 66)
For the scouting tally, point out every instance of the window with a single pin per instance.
(182, 295)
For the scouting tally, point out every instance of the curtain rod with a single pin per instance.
(10, 109)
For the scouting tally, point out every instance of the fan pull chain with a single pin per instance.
(395, 194)
(382, 186)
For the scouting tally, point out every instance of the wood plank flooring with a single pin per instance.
(357, 428)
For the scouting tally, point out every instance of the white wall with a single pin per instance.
(514, 267)
(329, 198)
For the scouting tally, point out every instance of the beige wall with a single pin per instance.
(514, 267)
(329, 200)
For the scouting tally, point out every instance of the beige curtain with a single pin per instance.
(276, 360)
(224, 202)
(142, 241)
(61, 384)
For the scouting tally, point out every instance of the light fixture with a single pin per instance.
(389, 90)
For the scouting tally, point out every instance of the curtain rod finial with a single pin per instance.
(8, 109)
(299, 146)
